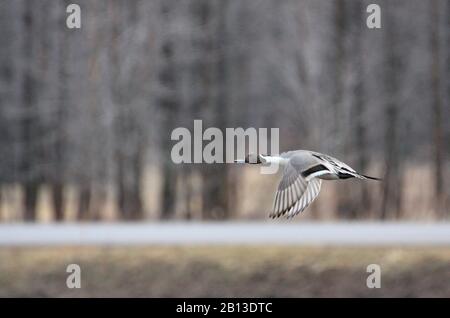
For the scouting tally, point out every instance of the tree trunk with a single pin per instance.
(168, 191)
(30, 176)
(58, 200)
(391, 203)
(30, 200)
(169, 105)
(58, 169)
(215, 176)
(438, 134)
(84, 202)
(344, 206)
(363, 203)
(128, 152)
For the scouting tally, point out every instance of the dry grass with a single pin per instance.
(224, 271)
(254, 199)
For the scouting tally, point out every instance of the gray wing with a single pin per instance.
(294, 193)
(310, 194)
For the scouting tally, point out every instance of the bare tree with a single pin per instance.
(59, 125)
(438, 134)
(362, 203)
(128, 151)
(29, 125)
(169, 105)
(89, 111)
(392, 185)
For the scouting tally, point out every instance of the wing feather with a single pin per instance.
(294, 193)
(308, 197)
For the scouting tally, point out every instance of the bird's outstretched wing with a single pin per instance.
(310, 194)
(294, 193)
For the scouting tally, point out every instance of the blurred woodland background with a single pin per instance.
(86, 114)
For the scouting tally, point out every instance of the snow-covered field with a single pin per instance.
(210, 233)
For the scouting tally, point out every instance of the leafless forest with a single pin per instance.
(86, 114)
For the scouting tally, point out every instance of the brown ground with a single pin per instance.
(224, 271)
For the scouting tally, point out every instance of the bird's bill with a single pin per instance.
(239, 161)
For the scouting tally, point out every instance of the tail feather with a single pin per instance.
(362, 176)
(352, 174)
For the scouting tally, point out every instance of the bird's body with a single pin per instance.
(303, 173)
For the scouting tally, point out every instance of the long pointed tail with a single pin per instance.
(362, 176)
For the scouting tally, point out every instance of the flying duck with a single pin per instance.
(302, 178)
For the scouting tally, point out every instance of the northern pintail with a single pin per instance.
(302, 178)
